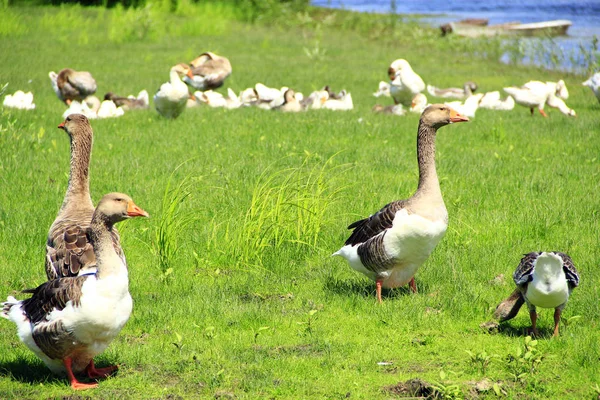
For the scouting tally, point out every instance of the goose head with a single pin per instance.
(561, 90)
(438, 115)
(76, 125)
(398, 66)
(116, 207)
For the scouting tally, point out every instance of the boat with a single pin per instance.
(545, 28)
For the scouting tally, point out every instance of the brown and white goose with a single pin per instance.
(72, 85)
(546, 279)
(391, 245)
(68, 251)
(68, 321)
(208, 71)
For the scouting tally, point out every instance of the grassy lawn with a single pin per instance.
(242, 298)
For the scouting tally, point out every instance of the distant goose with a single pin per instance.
(405, 83)
(391, 245)
(68, 321)
(383, 90)
(68, 250)
(458, 93)
(130, 102)
(546, 279)
(171, 99)
(343, 102)
(469, 107)
(290, 103)
(396, 109)
(208, 71)
(594, 84)
(20, 100)
(531, 96)
(419, 103)
(72, 85)
(492, 101)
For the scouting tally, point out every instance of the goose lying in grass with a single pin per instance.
(315, 100)
(419, 103)
(343, 103)
(290, 103)
(469, 107)
(383, 90)
(391, 245)
(71, 85)
(396, 109)
(208, 71)
(20, 100)
(457, 93)
(68, 321)
(405, 83)
(492, 101)
(546, 279)
(171, 99)
(215, 99)
(68, 250)
(140, 101)
(594, 84)
(106, 109)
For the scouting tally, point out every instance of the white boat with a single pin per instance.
(545, 28)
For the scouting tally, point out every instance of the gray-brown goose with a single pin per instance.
(68, 321)
(544, 279)
(68, 251)
(72, 85)
(208, 71)
(391, 245)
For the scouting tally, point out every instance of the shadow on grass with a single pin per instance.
(28, 372)
(366, 288)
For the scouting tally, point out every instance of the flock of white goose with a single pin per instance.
(85, 303)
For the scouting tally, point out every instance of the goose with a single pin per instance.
(290, 102)
(531, 96)
(559, 89)
(68, 321)
(396, 109)
(315, 100)
(419, 103)
(546, 279)
(208, 71)
(215, 99)
(248, 97)
(594, 83)
(108, 109)
(20, 100)
(269, 98)
(557, 102)
(343, 104)
(458, 93)
(405, 83)
(469, 107)
(72, 85)
(68, 251)
(391, 245)
(130, 102)
(171, 99)
(492, 101)
(383, 90)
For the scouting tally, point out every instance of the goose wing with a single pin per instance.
(69, 252)
(83, 82)
(375, 224)
(214, 72)
(569, 269)
(524, 272)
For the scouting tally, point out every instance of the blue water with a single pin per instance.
(584, 14)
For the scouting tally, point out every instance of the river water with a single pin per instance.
(585, 15)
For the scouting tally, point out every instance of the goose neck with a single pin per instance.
(428, 179)
(79, 183)
(108, 262)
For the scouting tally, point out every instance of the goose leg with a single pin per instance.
(543, 112)
(99, 373)
(531, 109)
(413, 285)
(533, 316)
(556, 321)
(379, 291)
(75, 384)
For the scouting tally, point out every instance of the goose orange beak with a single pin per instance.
(190, 74)
(62, 125)
(456, 117)
(134, 211)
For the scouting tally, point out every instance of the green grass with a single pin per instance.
(253, 305)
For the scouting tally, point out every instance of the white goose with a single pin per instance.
(68, 321)
(405, 83)
(469, 107)
(68, 250)
(391, 245)
(546, 279)
(492, 101)
(383, 90)
(171, 99)
(342, 104)
(594, 84)
(419, 103)
(20, 100)
(530, 96)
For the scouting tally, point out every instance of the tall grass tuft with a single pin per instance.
(172, 222)
(288, 209)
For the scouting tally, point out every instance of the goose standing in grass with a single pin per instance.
(405, 83)
(171, 99)
(546, 279)
(208, 71)
(594, 84)
(72, 85)
(530, 96)
(391, 245)
(68, 250)
(457, 93)
(68, 321)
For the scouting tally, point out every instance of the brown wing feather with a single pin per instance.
(523, 273)
(367, 228)
(569, 269)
